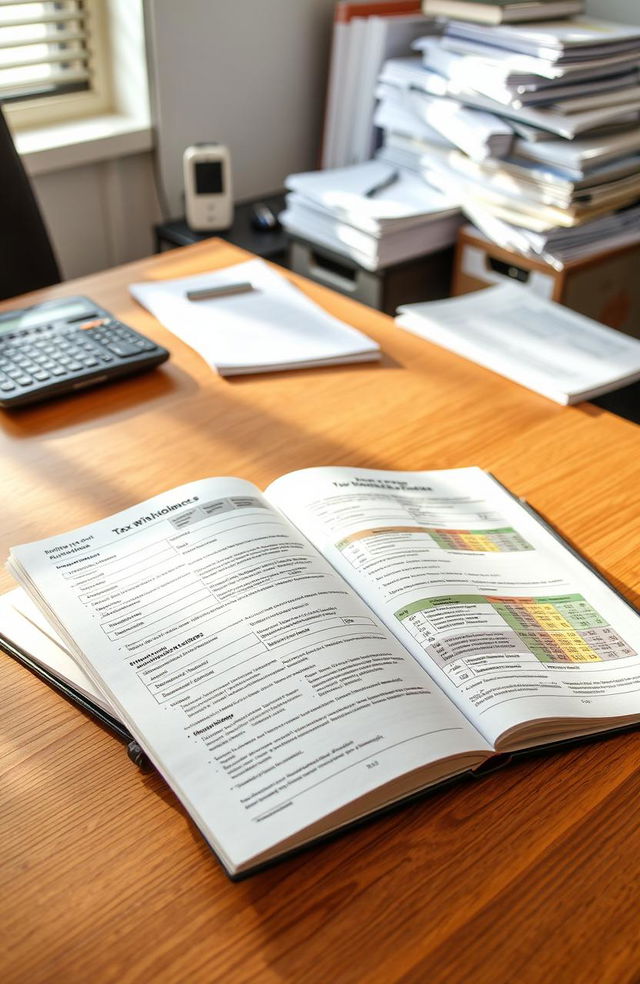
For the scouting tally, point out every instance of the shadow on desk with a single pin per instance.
(137, 420)
(115, 400)
(624, 402)
(347, 369)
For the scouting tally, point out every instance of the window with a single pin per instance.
(53, 64)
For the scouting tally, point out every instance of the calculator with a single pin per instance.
(66, 345)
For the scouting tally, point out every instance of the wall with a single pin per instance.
(248, 73)
(95, 179)
(624, 11)
(99, 215)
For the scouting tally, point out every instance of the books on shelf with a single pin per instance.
(542, 345)
(286, 682)
(374, 213)
(502, 11)
(271, 327)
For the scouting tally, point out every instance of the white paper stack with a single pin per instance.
(272, 327)
(406, 136)
(373, 213)
(560, 179)
(559, 41)
(535, 342)
(25, 625)
(561, 246)
(402, 151)
(562, 99)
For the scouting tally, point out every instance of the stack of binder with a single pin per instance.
(365, 34)
(532, 127)
(373, 213)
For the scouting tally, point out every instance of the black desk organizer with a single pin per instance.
(270, 245)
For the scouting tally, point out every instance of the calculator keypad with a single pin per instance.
(46, 355)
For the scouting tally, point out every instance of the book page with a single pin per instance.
(507, 622)
(258, 683)
(23, 625)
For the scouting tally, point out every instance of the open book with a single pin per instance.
(294, 661)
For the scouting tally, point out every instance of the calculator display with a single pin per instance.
(31, 317)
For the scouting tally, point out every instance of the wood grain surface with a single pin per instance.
(530, 874)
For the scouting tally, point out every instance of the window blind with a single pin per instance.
(44, 48)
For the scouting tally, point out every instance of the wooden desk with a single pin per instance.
(528, 875)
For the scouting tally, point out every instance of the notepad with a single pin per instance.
(271, 328)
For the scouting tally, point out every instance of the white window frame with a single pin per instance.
(98, 99)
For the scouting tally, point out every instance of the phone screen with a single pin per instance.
(209, 178)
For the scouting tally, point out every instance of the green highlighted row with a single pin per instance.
(424, 604)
